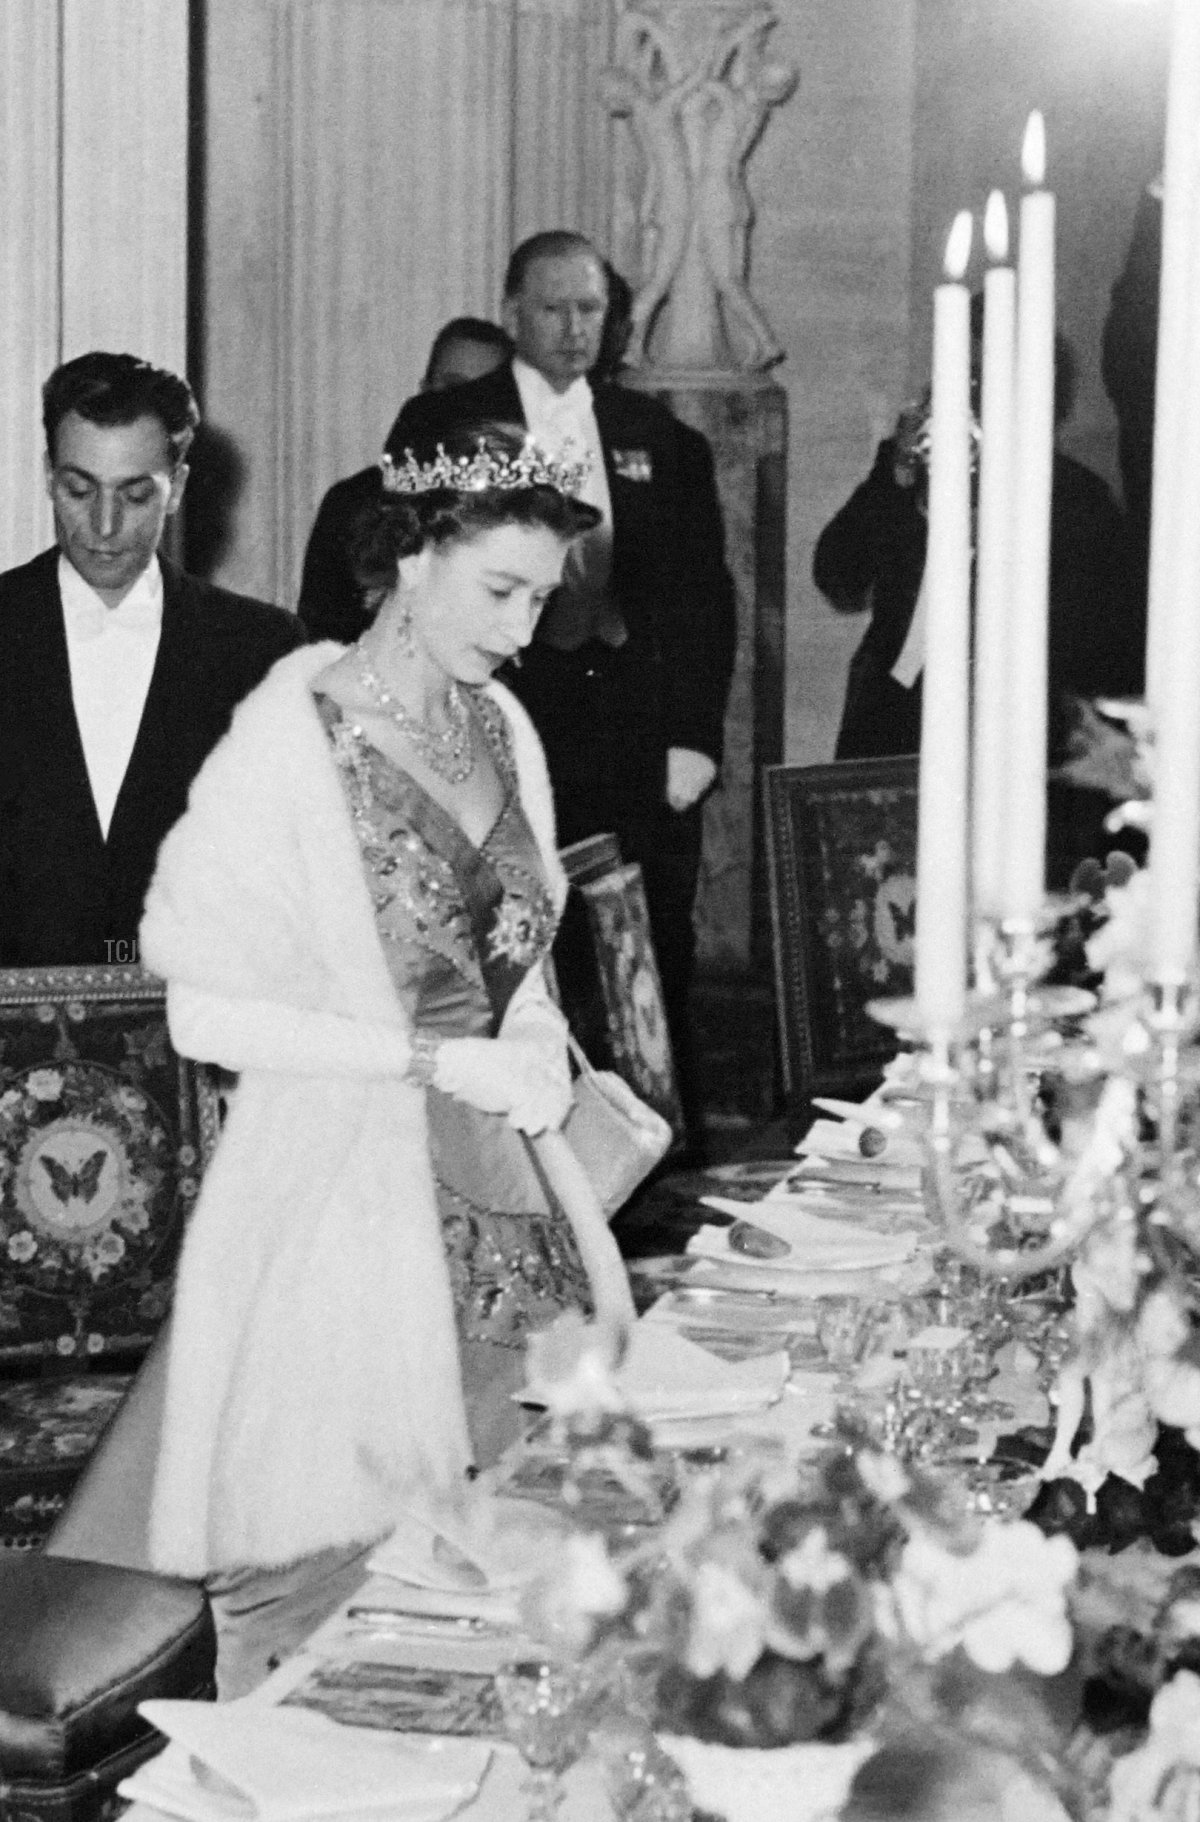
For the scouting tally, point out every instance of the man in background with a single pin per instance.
(628, 675)
(118, 672)
(331, 598)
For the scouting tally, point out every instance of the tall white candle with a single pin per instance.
(941, 928)
(992, 567)
(1025, 819)
(1173, 483)
(1175, 831)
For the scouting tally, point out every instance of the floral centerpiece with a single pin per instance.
(830, 1604)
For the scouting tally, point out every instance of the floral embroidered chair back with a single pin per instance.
(104, 1133)
(841, 845)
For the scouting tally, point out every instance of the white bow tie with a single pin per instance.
(89, 620)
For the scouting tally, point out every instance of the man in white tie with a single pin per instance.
(118, 673)
(628, 675)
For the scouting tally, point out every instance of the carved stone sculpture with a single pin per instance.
(694, 80)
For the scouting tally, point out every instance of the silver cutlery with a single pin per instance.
(412, 1620)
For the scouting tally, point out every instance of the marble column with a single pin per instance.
(395, 192)
(93, 210)
(562, 136)
(124, 145)
(369, 166)
(29, 271)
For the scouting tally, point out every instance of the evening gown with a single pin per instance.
(461, 927)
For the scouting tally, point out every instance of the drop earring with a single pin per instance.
(404, 628)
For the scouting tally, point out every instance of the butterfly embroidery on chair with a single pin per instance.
(74, 1185)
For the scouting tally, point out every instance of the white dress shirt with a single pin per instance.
(565, 422)
(111, 651)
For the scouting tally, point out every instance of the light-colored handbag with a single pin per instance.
(616, 1137)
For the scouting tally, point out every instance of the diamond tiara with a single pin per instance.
(483, 471)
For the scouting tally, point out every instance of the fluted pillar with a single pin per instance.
(124, 177)
(369, 166)
(562, 156)
(396, 213)
(29, 270)
(93, 210)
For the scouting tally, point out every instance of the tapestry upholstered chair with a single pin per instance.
(104, 1134)
(608, 978)
(841, 859)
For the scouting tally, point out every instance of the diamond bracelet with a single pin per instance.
(422, 1063)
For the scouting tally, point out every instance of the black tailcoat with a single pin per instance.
(68, 895)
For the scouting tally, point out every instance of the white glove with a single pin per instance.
(524, 1078)
(689, 775)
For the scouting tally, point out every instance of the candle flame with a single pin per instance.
(958, 247)
(1033, 150)
(995, 227)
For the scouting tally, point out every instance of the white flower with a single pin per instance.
(884, 1476)
(44, 1084)
(22, 1247)
(1173, 1388)
(728, 1624)
(1107, 1274)
(812, 1564)
(1137, 1779)
(12, 1097)
(572, 1366)
(1120, 949)
(581, 1587)
(110, 1248)
(1162, 1326)
(591, 1579)
(1004, 1602)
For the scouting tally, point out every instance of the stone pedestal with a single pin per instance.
(744, 417)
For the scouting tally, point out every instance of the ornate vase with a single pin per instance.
(745, 1784)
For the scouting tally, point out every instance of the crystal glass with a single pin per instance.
(845, 1326)
(546, 1716)
(644, 1782)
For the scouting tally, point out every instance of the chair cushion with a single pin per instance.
(84, 1643)
(48, 1429)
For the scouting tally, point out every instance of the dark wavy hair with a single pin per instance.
(117, 389)
(399, 525)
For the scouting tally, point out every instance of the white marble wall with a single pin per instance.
(369, 165)
(93, 210)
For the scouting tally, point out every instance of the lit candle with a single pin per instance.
(992, 569)
(1173, 485)
(1025, 819)
(1175, 831)
(941, 930)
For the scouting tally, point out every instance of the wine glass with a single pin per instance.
(644, 1782)
(545, 1711)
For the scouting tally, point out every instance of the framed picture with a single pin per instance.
(104, 1135)
(608, 978)
(841, 859)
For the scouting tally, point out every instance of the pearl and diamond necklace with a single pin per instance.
(447, 751)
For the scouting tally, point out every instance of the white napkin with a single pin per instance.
(474, 1563)
(815, 1245)
(250, 1761)
(666, 1375)
(840, 1139)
